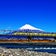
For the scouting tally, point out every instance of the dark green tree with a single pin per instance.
(29, 38)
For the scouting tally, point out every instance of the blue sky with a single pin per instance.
(38, 13)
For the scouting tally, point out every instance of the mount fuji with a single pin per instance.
(29, 28)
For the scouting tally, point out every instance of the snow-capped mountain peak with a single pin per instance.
(29, 27)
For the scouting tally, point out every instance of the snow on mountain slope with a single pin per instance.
(29, 27)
